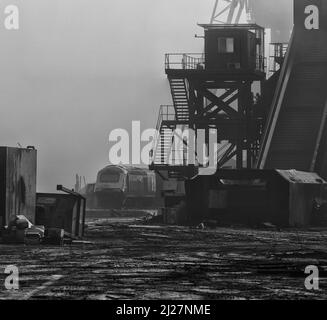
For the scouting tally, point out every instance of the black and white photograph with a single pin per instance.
(163, 156)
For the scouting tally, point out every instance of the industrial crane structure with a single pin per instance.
(277, 126)
(231, 11)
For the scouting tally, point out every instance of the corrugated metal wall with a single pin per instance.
(296, 135)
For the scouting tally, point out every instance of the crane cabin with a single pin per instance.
(234, 48)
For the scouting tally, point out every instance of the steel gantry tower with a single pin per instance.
(213, 91)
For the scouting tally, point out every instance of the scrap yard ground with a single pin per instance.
(125, 259)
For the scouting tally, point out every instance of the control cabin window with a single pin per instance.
(225, 45)
(110, 177)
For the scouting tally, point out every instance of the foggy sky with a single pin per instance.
(78, 69)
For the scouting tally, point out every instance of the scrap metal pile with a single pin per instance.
(21, 230)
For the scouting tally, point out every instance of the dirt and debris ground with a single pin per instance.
(125, 259)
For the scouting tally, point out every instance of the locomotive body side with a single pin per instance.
(141, 188)
(141, 183)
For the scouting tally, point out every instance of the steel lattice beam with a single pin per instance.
(230, 11)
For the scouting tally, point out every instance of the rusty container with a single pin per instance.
(17, 183)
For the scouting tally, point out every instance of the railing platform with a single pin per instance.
(193, 64)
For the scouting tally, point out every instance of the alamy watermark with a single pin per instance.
(11, 281)
(311, 282)
(178, 147)
(11, 17)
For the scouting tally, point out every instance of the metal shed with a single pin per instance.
(304, 188)
(251, 197)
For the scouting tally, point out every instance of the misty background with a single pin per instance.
(78, 69)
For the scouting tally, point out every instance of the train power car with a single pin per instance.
(123, 186)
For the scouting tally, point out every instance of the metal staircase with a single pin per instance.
(164, 138)
(180, 98)
(169, 148)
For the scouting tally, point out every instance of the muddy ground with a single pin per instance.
(125, 259)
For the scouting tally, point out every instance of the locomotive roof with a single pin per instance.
(127, 169)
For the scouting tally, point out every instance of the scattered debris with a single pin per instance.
(201, 226)
(54, 236)
(269, 225)
(21, 230)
